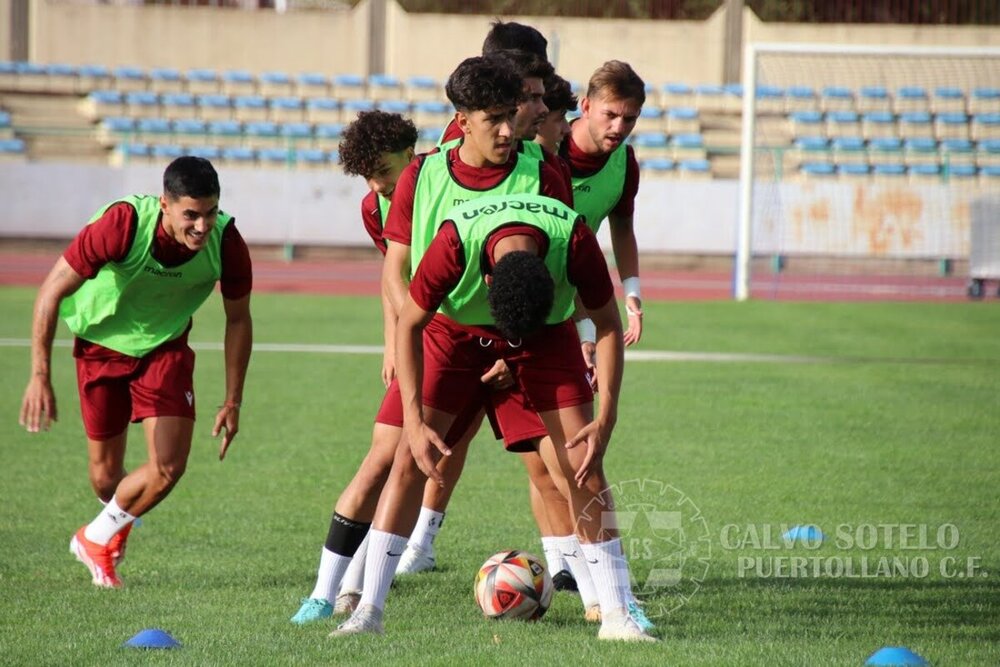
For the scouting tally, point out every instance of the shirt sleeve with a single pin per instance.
(625, 207)
(440, 269)
(399, 225)
(107, 239)
(371, 217)
(554, 185)
(587, 269)
(237, 273)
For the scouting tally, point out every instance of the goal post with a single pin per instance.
(862, 166)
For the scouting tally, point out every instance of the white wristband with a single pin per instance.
(587, 330)
(631, 287)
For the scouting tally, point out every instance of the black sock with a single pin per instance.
(345, 535)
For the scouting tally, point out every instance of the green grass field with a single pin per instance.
(895, 428)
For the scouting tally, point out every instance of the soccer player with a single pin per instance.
(511, 35)
(559, 100)
(504, 271)
(127, 287)
(606, 174)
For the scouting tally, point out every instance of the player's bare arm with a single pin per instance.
(622, 231)
(238, 344)
(38, 408)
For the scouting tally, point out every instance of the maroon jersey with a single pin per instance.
(371, 216)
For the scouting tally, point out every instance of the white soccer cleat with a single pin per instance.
(346, 603)
(620, 626)
(415, 559)
(366, 619)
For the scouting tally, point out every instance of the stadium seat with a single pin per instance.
(875, 124)
(191, 130)
(276, 157)
(986, 126)
(314, 158)
(32, 78)
(296, 135)
(208, 152)
(817, 170)
(984, 99)
(323, 110)
(849, 150)
(658, 167)
(989, 175)
(249, 108)
(348, 87)
(287, 109)
(890, 172)
(312, 85)
(805, 123)
(63, 79)
(651, 119)
(402, 107)
(688, 146)
(432, 113)
(854, 170)
(225, 132)
(957, 151)
(988, 153)
(919, 151)
(951, 125)
(165, 80)
(94, 77)
(649, 144)
(384, 87)
(142, 104)
(351, 108)
(239, 156)
(925, 173)
(874, 99)
(201, 81)
(214, 106)
(131, 153)
(423, 89)
(683, 120)
(275, 84)
(333, 157)
(885, 150)
(238, 82)
(948, 99)
(165, 152)
(915, 124)
(427, 137)
(842, 124)
(102, 103)
(678, 95)
(811, 150)
(911, 99)
(6, 125)
(154, 130)
(770, 100)
(178, 105)
(130, 79)
(837, 98)
(328, 135)
(115, 130)
(8, 75)
(14, 147)
(695, 169)
(262, 134)
(710, 98)
(800, 98)
(961, 172)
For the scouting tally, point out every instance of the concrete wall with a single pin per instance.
(430, 44)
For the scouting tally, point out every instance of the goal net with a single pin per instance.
(865, 170)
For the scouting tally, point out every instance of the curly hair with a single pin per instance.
(372, 134)
(511, 35)
(521, 295)
(484, 82)
(559, 94)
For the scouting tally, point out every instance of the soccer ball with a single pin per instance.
(513, 584)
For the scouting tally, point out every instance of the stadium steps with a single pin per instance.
(52, 127)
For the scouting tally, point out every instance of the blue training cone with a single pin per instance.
(895, 655)
(807, 533)
(152, 638)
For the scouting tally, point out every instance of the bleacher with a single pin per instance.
(279, 119)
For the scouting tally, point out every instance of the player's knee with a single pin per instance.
(104, 480)
(169, 473)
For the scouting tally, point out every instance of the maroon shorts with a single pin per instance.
(391, 414)
(116, 389)
(548, 370)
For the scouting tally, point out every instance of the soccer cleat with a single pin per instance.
(592, 614)
(639, 616)
(312, 609)
(117, 545)
(415, 560)
(366, 619)
(563, 581)
(620, 626)
(346, 603)
(97, 558)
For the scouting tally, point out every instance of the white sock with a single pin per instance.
(106, 524)
(384, 551)
(610, 575)
(569, 548)
(331, 570)
(354, 578)
(553, 556)
(428, 524)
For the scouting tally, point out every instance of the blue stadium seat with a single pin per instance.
(166, 80)
(311, 85)
(837, 98)
(877, 124)
(225, 132)
(710, 97)
(8, 75)
(191, 129)
(695, 168)
(961, 171)
(911, 98)
(32, 77)
(313, 157)
(925, 172)
(842, 124)
(287, 109)
(677, 94)
(129, 78)
(889, 170)
(915, 124)
(202, 81)
(805, 123)
(948, 99)
(819, 169)
(166, 152)
(328, 135)
(178, 105)
(333, 156)
(986, 126)
(951, 125)
(153, 130)
(323, 110)
(384, 87)
(63, 78)
(401, 107)
(142, 104)
(799, 98)
(423, 88)
(214, 106)
(94, 77)
(239, 155)
(990, 172)
(276, 157)
(128, 152)
(687, 146)
(208, 152)
(658, 166)
(853, 169)
(683, 120)
(849, 150)
(984, 99)
(102, 103)
(275, 84)
(296, 134)
(348, 87)
(432, 113)
(873, 99)
(114, 130)
(988, 152)
(649, 144)
(262, 133)
(920, 150)
(238, 82)
(248, 108)
(350, 108)
(16, 146)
